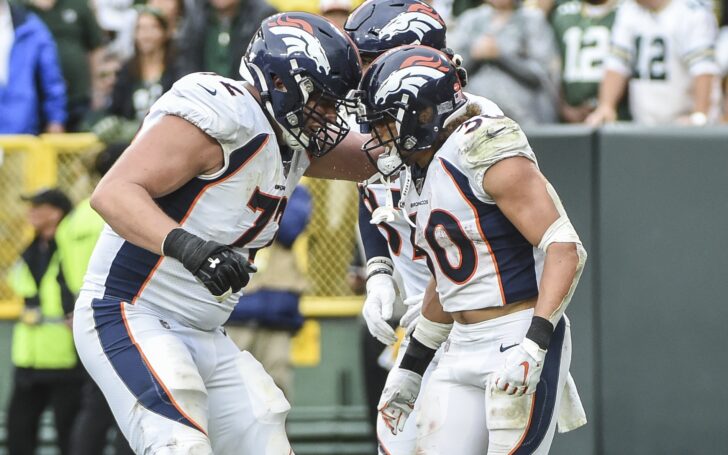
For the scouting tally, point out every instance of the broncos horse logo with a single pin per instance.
(418, 19)
(413, 73)
(297, 35)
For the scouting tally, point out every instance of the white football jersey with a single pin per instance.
(409, 260)
(478, 257)
(240, 205)
(662, 51)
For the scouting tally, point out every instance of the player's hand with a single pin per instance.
(412, 315)
(398, 398)
(522, 369)
(378, 307)
(218, 267)
(601, 115)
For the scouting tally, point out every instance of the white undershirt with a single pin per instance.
(7, 36)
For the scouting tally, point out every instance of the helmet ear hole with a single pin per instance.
(426, 115)
(278, 83)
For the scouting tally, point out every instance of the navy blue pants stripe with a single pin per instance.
(545, 395)
(129, 364)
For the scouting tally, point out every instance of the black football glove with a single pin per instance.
(217, 266)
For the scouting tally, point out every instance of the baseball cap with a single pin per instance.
(52, 196)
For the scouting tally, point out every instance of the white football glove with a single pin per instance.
(398, 398)
(522, 369)
(378, 307)
(412, 315)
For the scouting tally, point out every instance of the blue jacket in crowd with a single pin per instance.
(35, 93)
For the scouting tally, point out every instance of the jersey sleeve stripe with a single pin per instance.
(543, 408)
(130, 364)
(695, 56)
(622, 53)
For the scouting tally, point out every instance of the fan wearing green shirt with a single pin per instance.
(582, 31)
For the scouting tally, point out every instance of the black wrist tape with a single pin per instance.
(187, 248)
(417, 357)
(540, 332)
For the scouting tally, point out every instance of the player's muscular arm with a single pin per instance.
(158, 162)
(520, 191)
(529, 202)
(346, 161)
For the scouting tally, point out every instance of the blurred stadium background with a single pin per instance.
(648, 318)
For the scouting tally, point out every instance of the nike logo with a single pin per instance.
(525, 371)
(211, 92)
(504, 349)
(492, 134)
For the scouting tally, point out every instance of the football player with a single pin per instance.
(504, 256)
(664, 50)
(199, 191)
(375, 27)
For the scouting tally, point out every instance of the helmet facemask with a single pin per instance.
(316, 121)
(395, 130)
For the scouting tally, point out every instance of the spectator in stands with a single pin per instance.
(337, 11)
(32, 91)
(173, 11)
(217, 36)
(142, 80)
(267, 316)
(47, 371)
(721, 53)
(76, 238)
(664, 50)
(582, 30)
(511, 58)
(78, 36)
(117, 18)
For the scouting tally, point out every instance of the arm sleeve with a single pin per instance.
(374, 242)
(295, 217)
(697, 49)
(51, 79)
(621, 49)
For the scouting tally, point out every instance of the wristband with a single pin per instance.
(540, 332)
(417, 357)
(378, 265)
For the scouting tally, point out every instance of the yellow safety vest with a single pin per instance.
(47, 344)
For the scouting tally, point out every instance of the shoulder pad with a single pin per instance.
(217, 105)
(483, 140)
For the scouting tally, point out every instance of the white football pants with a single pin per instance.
(460, 414)
(174, 389)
